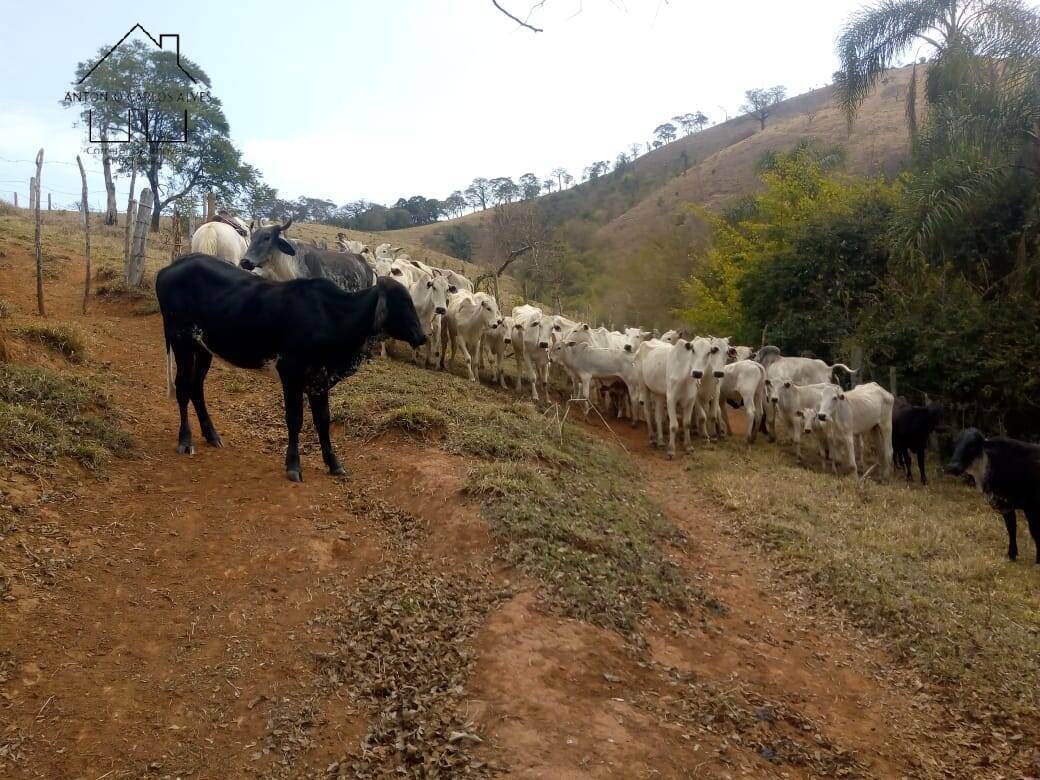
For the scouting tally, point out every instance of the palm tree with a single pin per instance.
(876, 36)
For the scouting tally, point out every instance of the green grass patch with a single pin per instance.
(925, 568)
(567, 512)
(45, 416)
(66, 340)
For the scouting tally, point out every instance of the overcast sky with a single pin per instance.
(378, 99)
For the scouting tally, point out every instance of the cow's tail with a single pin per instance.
(171, 391)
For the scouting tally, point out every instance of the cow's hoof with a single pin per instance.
(214, 440)
(294, 475)
(338, 471)
(185, 449)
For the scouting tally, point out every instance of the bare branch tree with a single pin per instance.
(520, 22)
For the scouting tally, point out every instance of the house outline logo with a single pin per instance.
(142, 113)
(175, 36)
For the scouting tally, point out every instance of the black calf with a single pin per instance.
(1007, 471)
(911, 427)
(308, 332)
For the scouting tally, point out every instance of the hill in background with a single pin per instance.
(609, 221)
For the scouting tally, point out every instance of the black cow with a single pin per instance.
(911, 427)
(308, 331)
(1007, 471)
(280, 260)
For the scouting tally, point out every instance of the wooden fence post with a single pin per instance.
(38, 246)
(86, 232)
(135, 264)
(893, 386)
(32, 190)
(175, 238)
(16, 200)
(211, 205)
(48, 201)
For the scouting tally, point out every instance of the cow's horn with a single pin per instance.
(285, 227)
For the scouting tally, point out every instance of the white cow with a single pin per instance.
(496, 340)
(801, 371)
(857, 412)
(470, 316)
(709, 368)
(430, 297)
(350, 245)
(588, 363)
(632, 338)
(740, 353)
(813, 426)
(665, 375)
(790, 399)
(221, 240)
(532, 332)
(744, 381)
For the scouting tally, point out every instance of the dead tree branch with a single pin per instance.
(520, 22)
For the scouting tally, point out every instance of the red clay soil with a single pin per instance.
(161, 620)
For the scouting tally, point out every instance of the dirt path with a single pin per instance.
(171, 620)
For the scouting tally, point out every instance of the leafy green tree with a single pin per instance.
(455, 203)
(504, 190)
(530, 186)
(154, 88)
(479, 193)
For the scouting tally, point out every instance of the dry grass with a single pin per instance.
(568, 512)
(926, 568)
(66, 340)
(46, 416)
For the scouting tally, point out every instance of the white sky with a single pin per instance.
(379, 99)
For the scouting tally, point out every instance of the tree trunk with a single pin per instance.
(156, 204)
(110, 185)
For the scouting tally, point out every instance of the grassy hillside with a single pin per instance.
(621, 212)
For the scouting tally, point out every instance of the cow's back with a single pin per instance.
(347, 271)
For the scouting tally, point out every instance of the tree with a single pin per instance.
(504, 190)
(530, 186)
(700, 121)
(455, 203)
(686, 122)
(561, 174)
(635, 149)
(760, 103)
(478, 193)
(567, 179)
(547, 185)
(259, 199)
(876, 36)
(101, 118)
(665, 133)
(153, 87)
(595, 170)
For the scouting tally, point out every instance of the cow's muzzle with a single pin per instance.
(441, 310)
(697, 374)
(821, 417)
(719, 374)
(246, 264)
(543, 345)
(628, 347)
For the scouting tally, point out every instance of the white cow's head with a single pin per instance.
(832, 403)
(709, 357)
(489, 315)
(633, 337)
(539, 331)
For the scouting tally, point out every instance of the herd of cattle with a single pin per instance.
(261, 301)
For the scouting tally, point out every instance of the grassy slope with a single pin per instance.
(722, 161)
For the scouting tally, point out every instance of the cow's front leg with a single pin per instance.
(1012, 532)
(293, 395)
(319, 403)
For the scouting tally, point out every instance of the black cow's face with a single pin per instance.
(400, 320)
(966, 451)
(264, 243)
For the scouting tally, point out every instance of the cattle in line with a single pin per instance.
(864, 410)
(814, 427)
(496, 340)
(589, 363)
(799, 370)
(708, 369)
(744, 385)
(226, 238)
(738, 353)
(1007, 473)
(532, 332)
(280, 260)
(430, 298)
(789, 400)
(911, 427)
(665, 376)
(470, 316)
(308, 332)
